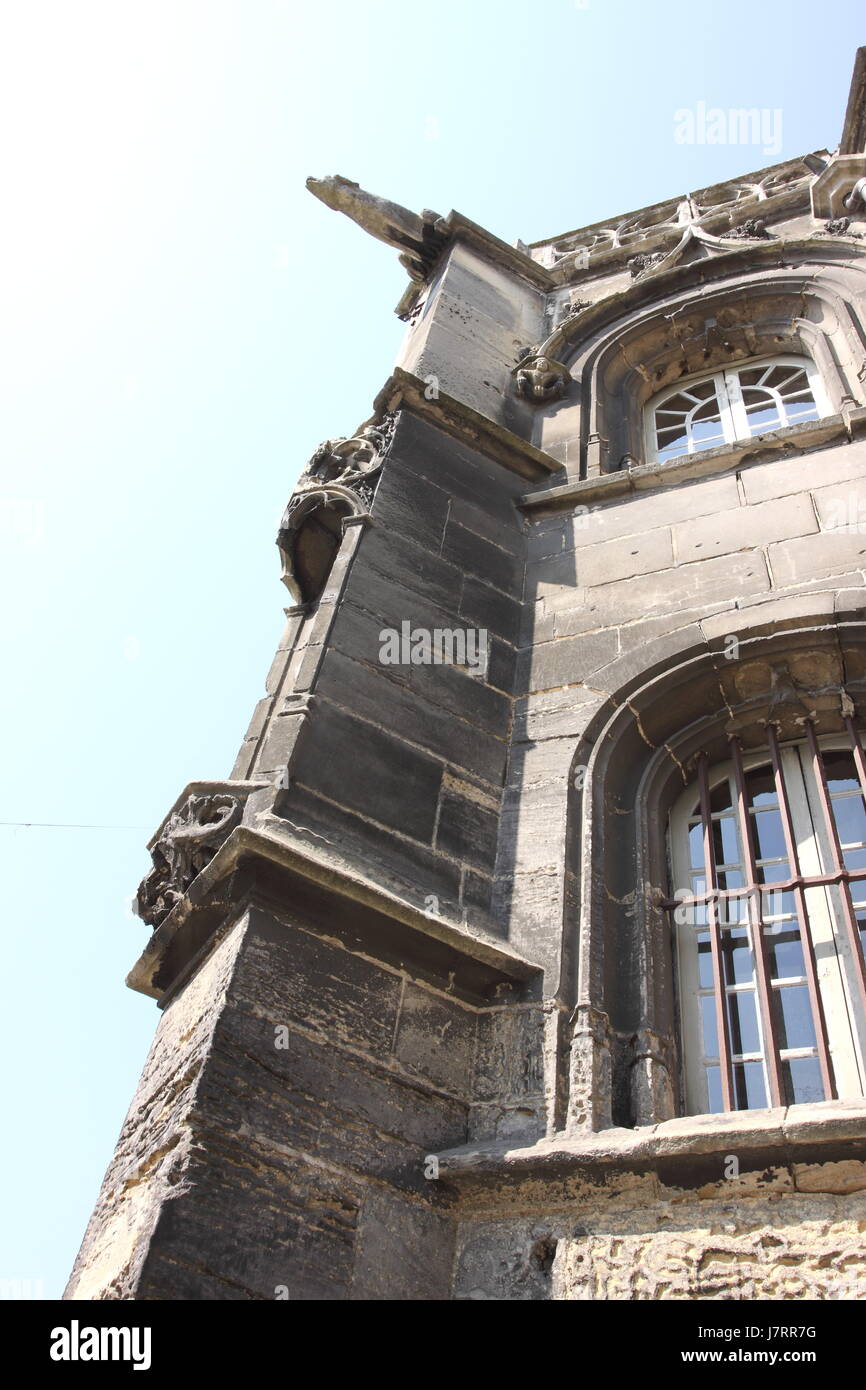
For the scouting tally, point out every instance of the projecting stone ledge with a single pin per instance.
(403, 391)
(688, 1151)
(254, 864)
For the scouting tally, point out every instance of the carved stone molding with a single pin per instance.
(340, 478)
(753, 229)
(781, 191)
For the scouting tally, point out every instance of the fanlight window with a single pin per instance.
(734, 404)
(768, 854)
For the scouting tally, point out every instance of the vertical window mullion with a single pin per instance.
(722, 1027)
(803, 923)
(848, 918)
(756, 922)
(732, 408)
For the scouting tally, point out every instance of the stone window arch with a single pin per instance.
(640, 756)
(702, 319)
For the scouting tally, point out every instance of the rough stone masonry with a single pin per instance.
(424, 1029)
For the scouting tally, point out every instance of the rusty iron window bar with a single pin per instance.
(767, 932)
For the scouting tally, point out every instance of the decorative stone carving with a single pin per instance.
(421, 239)
(350, 462)
(189, 840)
(837, 226)
(571, 311)
(753, 229)
(644, 261)
(539, 378)
(784, 189)
(341, 475)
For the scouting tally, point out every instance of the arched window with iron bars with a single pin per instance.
(768, 898)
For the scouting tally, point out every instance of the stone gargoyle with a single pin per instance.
(189, 840)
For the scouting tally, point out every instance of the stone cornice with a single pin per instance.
(250, 857)
(648, 477)
(403, 391)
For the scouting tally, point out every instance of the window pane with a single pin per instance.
(761, 787)
(737, 961)
(775, 903)
(801, 1077)
(769, 839)
(696, 846)
(759, 419)
(726, 845)
(749, 1089)
(708, 1020)
(840, 772)
(793, 1015)
(785, 951)
(714, 1088)
(705, 961)
(743, 1021)
(720, 796)
(678, 445)
(850, 819)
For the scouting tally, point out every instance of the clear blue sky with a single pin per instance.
(182, 323)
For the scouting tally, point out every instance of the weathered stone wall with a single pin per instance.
(618, 589)
(399, 768)
(779, 1236)
(244, 1167)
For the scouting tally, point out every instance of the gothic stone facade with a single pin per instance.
(422, 1035)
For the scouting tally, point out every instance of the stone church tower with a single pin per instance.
(521, 955)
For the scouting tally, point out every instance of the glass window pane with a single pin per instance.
(714, 1087)
(769, 839)
(850, 819)
(801, 1077)
(785, 951)
(720, 796)
(743, 1021)
(793, 1015)
(705, 961)
(708, 1020)
(750, 1091)
(775, 903)
(696, 845)
(840, 772)
(760, 787)
(726, 844)
(760, 420)
(706, 433)
(801, 410)
(737, 960)
(855, 858)
(774, 873)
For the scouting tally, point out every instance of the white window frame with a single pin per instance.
(732, 410)
(846, 1027)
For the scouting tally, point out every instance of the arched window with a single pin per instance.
(768, 858)
(705, 412)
